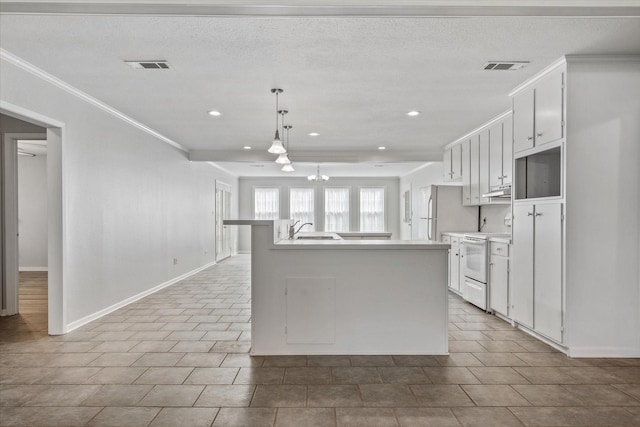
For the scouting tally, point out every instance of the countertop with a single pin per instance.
(360, 244)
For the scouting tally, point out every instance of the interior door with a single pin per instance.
(223, 211)
(548, 270)
(407, 214)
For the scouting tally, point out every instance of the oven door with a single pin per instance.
(475, 259)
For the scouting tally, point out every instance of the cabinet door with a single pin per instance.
(548, 107)
(446, 160)
(522, 272)
(523, 120)
(455, 264)
(484, 166)
(499, 284)
(548, 270)
(495, 155)
(466, 173)
(474, 170)
(507, 152)
(456, 163)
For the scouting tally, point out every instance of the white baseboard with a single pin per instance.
(98, 314)
(244, 252)
(603, 352)
(33, 268)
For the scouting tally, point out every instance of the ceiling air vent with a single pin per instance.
(505, 65)
(149, 65)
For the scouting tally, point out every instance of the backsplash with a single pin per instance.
(495, 215)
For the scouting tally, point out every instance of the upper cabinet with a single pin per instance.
(538, 113)
(486, 158)
(453, 164)
(500, 154)
(466, 172)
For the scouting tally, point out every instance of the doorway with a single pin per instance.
(223, 211)
(19, 124)
(32, 232)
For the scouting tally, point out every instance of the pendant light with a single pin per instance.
(317, 177)
(276, 145)
(283, 158)
(288, 167)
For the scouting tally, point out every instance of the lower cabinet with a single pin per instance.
(536, 299)
(499, 278)
(454, 262)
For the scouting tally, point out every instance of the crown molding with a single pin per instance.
(353, 8)
(38, 72)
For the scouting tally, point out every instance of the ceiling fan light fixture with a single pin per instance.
(318, 177)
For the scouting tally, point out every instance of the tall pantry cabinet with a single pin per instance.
(576, 195)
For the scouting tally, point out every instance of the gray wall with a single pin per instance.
(32, 213)
(131, 203)
(247, 185)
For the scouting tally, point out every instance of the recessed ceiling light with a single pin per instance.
(382, 148)
(215, 113)
(246, 147)
(413, 113)
(314, 134)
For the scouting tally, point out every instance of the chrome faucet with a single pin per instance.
(293, 231)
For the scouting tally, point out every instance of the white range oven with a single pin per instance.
(475, 259)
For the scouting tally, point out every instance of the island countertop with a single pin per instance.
(284, 243)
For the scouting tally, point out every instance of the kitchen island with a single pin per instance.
(322, 295)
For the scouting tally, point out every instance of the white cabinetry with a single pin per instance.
(453, 164)
(474, 169)
(466, 172)
(483, 167)
(499, 277)
(454, 271)
(455, 264)
(538, 113)
(537, 267)
(486, 157)
(500, 154)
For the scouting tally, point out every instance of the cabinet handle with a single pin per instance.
(539, 134)
(498, 249)
(490, 264)
(529, 213)
(538, 214)
(503, 177)
(529, 138)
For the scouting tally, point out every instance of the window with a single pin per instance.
(266, 203)
(371, 209)
(336, 209)
(302, 206)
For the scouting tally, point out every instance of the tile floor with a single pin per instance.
(180, 357)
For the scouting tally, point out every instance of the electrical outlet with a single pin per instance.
(175, 261)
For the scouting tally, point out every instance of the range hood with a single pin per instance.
(502, 191)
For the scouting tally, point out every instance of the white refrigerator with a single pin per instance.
(440, 209)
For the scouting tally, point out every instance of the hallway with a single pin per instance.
(180, 357)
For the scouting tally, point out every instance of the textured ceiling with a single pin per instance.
(350, 79)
